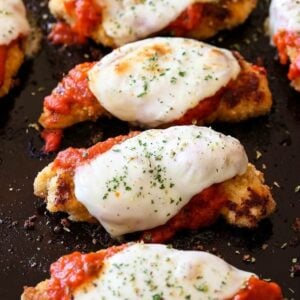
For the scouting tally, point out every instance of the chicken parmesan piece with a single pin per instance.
(115, 23)
(14, 29)
(159, 82)
(149, 271)
(284, 24)
(158, 181)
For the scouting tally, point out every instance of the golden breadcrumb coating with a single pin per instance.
(36, 293)
(14, 60)
(249, 199)
(246, 97)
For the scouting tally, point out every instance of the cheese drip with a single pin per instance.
(145, 181)
(157, 272)
(13, 22)
(156, 81)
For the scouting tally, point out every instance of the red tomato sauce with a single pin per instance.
(202, 110)
(72, 90)
(188, 20)
(63, 34)
(87, 16)
(257, 289)
(72, 270)
(202, 210)
(52, 138)
(72, 157)
(3, 55)
(283, 40)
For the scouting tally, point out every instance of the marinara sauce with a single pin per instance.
(283, 40)
(52, 138)
(257, 289)
(188, 20)
(86, 15)
(72, 157)
(72, 90)
(202, 210)
(70, 271)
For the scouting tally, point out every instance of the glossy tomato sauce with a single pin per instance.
(188, 20)
(52, 138)
(86, 15)
(202, 210)
(72, 270)
(72, 90)
(283, 40)
(3, 55)
(257, 289)
(202, 110)
(72, 157)
(72, 93)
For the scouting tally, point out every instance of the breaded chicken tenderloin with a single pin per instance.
(156, 83)
(158, 181)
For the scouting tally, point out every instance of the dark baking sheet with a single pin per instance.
(27, 251)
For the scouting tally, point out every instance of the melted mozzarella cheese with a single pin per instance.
(144, 181)
(156, 81)
(284, 15)
(13, 22)
(143, 271)
(129, 20)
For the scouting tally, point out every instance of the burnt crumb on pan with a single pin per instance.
(57, 229)
(39, 238)
(284, 245)
(294, 241)
(249, 259)
(198, 247)
(259, 61)
(30, 222)
(295, 270)
(275, 183)
(296, 225)
(14, 223)
(65, 222)
(258, 154)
